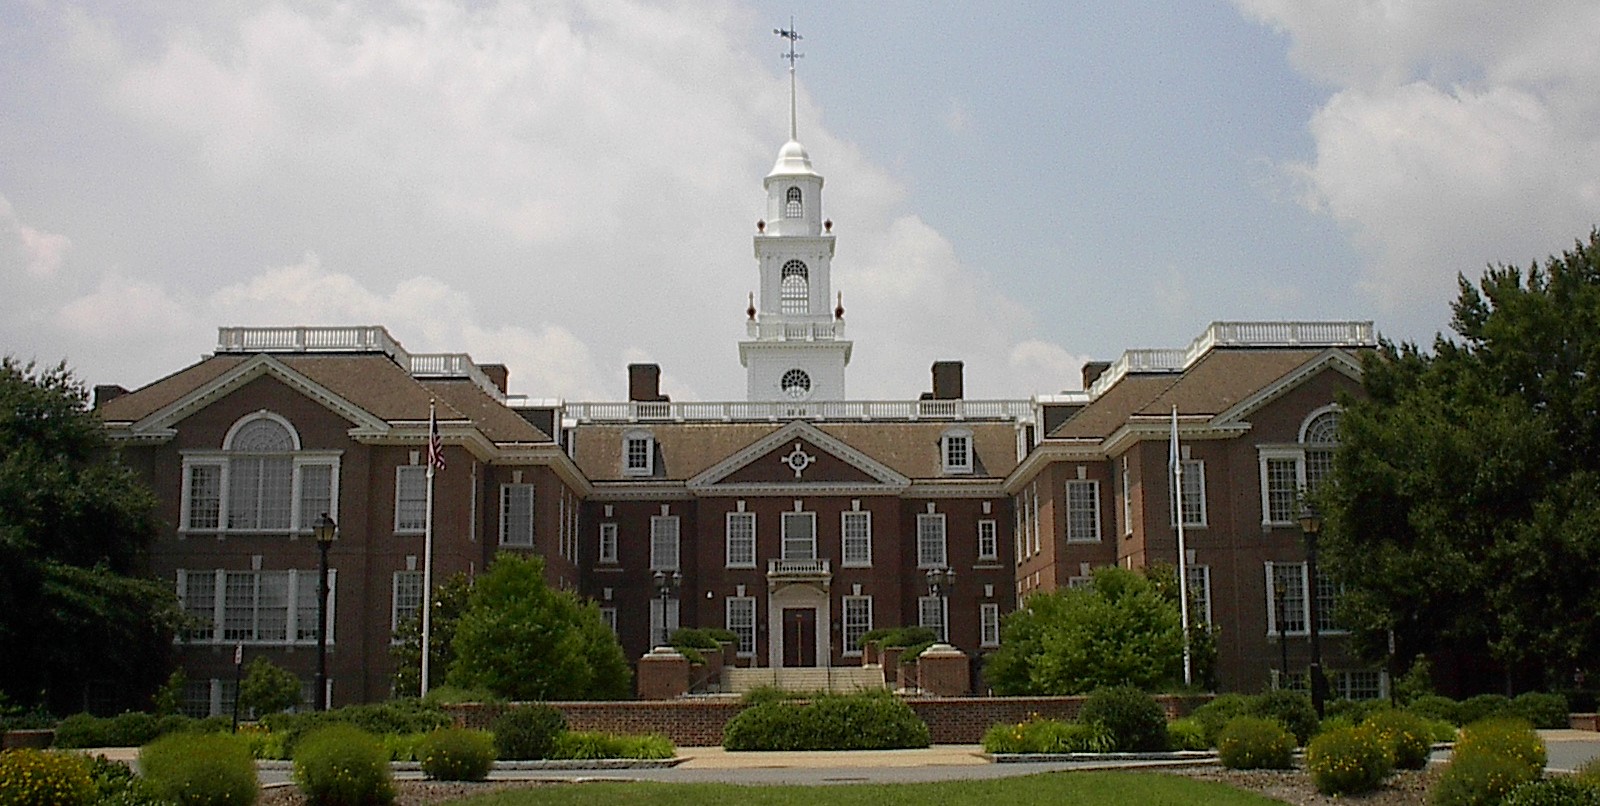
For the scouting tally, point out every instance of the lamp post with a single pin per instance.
(940, 581)
(666, 587)
(326, 531)
(1283, 632)
(1311, 526)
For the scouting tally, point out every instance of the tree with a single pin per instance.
(449, 603)
(1120, 630)
(1464, 507)
(75, 526)
(268, 689)
(524, 641)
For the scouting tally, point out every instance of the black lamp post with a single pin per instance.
(1283, 630)
(940, 581)
(667, 587)
(1311, 526)
(326, 531)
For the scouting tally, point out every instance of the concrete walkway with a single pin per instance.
(941, 755)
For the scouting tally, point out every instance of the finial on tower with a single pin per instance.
(751, 311)
(793, 36)
(838, 312)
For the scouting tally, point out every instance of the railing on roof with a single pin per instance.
(341, 339)
(454, 365)
(846, 410)
(820, 329)
(1237, 334)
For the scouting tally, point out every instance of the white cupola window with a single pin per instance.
(792, 207)
(796, 384)
(795, 294)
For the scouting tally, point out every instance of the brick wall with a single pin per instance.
(699, 722)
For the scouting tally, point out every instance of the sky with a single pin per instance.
(568, 186)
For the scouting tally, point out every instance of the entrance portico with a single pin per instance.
(798, 616)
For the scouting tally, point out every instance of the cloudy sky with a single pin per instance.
(566, 186)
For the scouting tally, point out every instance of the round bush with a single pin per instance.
(1480, 780)
(1254, 743)
(31, 777)
(200, 769)
(1215, 715)
(1136, 722)
(1186, 734)
(1481, 707)
(1407, 736)
(528, 732)
(1292, 709)
(342, 765)
(455, 754)
(1347, 761)
(1543, 710)
(1508, 738)
(1433, 706)
(1554, 792)
(865, 721)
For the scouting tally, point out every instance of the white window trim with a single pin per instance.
(993, 527)
(844, 632)
(1094, 486)
(394, 600)
(989, 614)
(1192, 468)
(1127, 498)
(784, 521)
(400, 472)
(607, 550)
(942, 632)
(1204, 572)
(727, 540)
(844, 554)
(944, 451)
(608, 615)
(297, 579)
(943, 561)
(659, 563)
(219, 459)
(727, 623)
(1272, 600)
(649, 453)
(533, 515)
(1267, 452)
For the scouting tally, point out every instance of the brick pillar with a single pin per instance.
(663, 674)
(944, 671)
(891, 665)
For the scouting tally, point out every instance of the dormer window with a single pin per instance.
(795, 288)
(792, 207)
(638, 453)
(956, 447)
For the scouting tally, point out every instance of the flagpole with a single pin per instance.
(1183, 554)
(427, 547)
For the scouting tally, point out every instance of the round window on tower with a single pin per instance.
(796, 383)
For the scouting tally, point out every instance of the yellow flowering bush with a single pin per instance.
(1346, 761)
(343, 765)
(1406, 734)
(456, 754)
(1491, 758)
(44, 778)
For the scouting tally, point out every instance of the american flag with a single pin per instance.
(435, 445)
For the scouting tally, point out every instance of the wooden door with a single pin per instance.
(799, 636)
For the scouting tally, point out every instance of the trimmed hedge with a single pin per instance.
(192, 769)
(1255, 743)
(130, 729)
(1136, 722)
(862, 721)
(592, 744)
(456, 754)
(528, 732)
(1543, 710)
(1347, 761)
(400, 716)
(343, 765)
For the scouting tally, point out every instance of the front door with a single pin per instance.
(799, 636)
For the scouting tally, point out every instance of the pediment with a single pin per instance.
(797, 458)
(1331, 360)
(164, 421)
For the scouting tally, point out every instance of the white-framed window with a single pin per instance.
(638, 453)
(664, 543)
(1193, 494)
(799, 535)
(1199, 594)
(989, 624)
(1127, 498)
(254, 607)
(1288, 470)
(931, 541)
(741, 540)
(1280, 483)
(1083, 511)
(608, 616)
(410, 498)
(608, 542)
(740, 619)
(795, 383)
(1358, 684)
(261, 481)
(857, 622)
(1295, 613)
(516, 515)
(988, 539)
(855, 529)
(792, 206)
(657, 635)
(407, 598)
(794, 289)
(931, 613)
(956, 449)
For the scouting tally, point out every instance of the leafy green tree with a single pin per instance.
(524, 641)
(449, 602)
(267, 688)
(75, 526)
(1464, 508)
(1120, 630)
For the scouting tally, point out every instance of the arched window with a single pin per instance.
(795, 383)
(1320, 435)
(795, 294)
(256, 481)
(792, 207)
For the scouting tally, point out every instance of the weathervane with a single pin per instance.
(793, 36)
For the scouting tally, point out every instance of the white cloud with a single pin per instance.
(35, 251)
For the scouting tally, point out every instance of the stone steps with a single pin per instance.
(838, 679)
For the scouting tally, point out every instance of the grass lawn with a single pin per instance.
(1100, 788)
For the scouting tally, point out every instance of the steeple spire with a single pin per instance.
(793, 36)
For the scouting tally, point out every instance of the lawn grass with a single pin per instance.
(1100, 788)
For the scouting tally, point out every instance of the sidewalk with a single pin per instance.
(939, 755)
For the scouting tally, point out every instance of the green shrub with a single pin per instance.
(401, 716)
(130, 729)
(1480, 780)
(1136, 722)
(342, 765)
(528, 732)
(1349, 761)
(1047, 736)
(1186, 734)
(31, 777)
(766, 694)
(456, 754)
(1543, 710)
(1433, 706)
(1292, 709)
(402, 746)
(591, 745)
(1481, 707)
(1252, 742)
(1505, 737)
(200, 769)
(1407, 736)
(1554, 792)
(1440, 730)
(861, 721)
(1589, 771)
(1356, 711)
(116, 785)
(1215, 715)
(451, 695)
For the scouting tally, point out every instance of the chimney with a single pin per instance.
(498, 374)
(1092, 370)
(644, 383)
(947, 380)
(106, 392)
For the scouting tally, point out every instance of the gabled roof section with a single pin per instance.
(497, 422)
(854, 470)
(1332, 359)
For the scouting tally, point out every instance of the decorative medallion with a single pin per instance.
(798, 460)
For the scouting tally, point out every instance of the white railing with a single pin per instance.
(807, 568)
(846, 410)
(790, 330)
(365, 338)
(453, 365)
(1237, 334)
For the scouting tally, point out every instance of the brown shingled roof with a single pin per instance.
(493, 418)
(152, 397)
